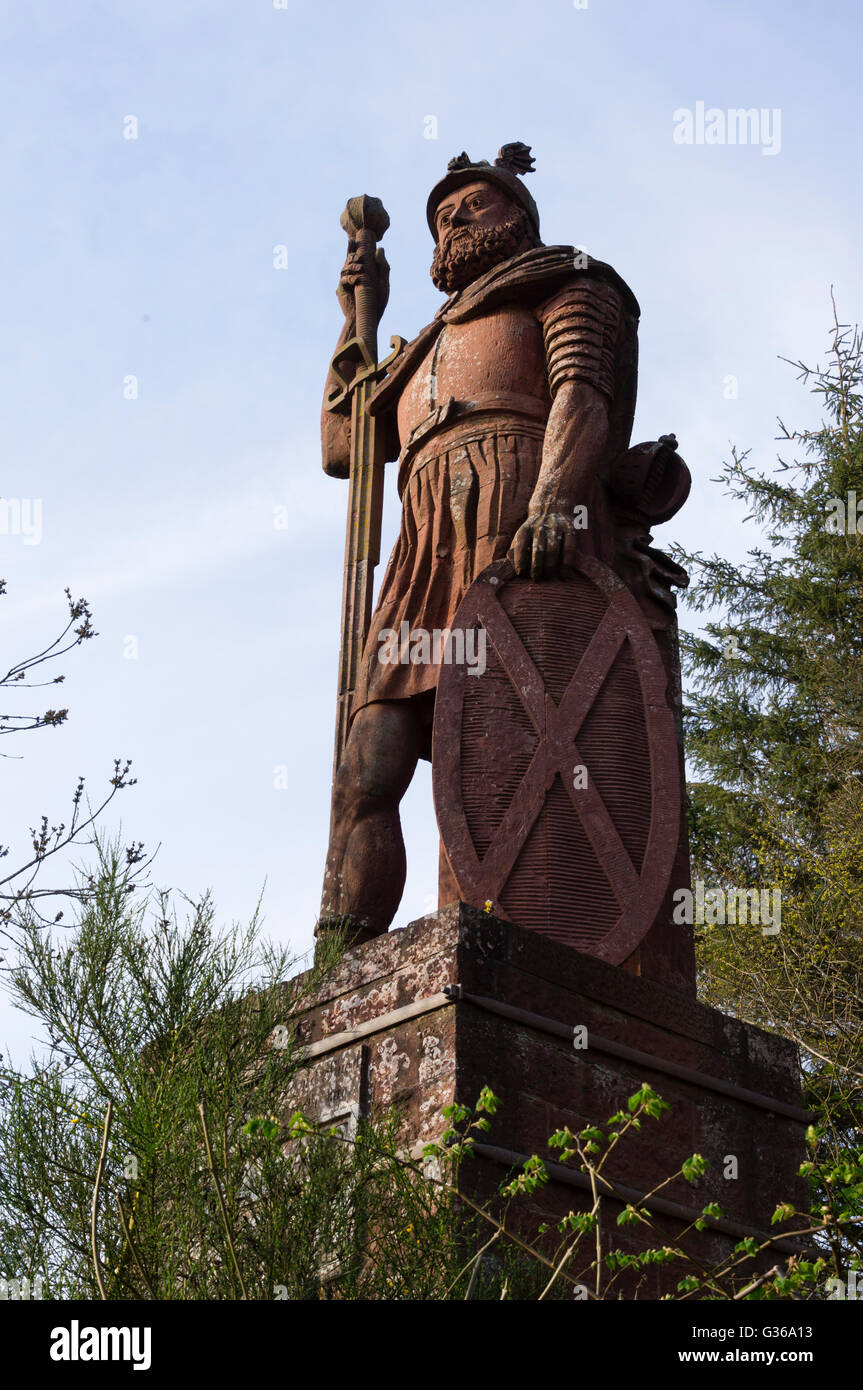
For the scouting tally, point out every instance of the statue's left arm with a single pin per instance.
(580, 326)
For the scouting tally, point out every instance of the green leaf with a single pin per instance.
(783, 1212)
(694, 1168)
(592, 1134)
(562, 1139)
(630, 1215)
(648, 1100)
(688, 1285)
(488, 1101)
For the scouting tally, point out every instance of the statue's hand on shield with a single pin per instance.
(544, 546)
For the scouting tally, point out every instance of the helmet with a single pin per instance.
(512, 160)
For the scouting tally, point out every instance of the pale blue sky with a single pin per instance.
(154, 258)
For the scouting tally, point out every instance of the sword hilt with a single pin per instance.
(350, 365)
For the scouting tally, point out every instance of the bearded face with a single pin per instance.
(466, 250)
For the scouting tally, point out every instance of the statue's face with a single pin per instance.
(478, 226)
(480, 203)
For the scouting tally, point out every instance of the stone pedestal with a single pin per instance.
(458, 1000)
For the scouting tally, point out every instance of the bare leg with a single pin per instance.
(366, 865)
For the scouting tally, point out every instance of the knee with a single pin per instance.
(379, 760)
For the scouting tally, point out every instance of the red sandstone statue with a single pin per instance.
(510, 415)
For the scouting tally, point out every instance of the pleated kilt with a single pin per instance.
(465, 494)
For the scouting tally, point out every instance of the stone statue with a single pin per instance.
(525, 641)
(510, 416)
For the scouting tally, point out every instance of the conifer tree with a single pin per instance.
(774, 730)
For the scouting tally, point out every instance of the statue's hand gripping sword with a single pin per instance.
(356, 371)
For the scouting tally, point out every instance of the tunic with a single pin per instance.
(471, 415)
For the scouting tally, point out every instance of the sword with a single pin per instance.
(356, 372)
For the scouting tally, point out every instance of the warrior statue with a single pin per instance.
(510, 416)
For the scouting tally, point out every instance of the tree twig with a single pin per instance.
(95, 1201)
(134, 1249)
(223, 1209)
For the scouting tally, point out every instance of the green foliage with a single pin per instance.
(774, 731)
(175, 1037)
(172, 1043)
(154, 1017)
(694, 1168)
(534, 1174)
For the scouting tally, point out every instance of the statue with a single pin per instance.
(525, 641)
(510, 416)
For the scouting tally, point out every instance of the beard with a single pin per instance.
(467, 252)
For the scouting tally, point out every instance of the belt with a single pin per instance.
(453, 411)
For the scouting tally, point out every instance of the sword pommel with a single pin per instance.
(365, 214)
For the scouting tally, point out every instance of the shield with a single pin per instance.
(555, 760)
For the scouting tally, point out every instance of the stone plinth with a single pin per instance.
(458, 1000)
